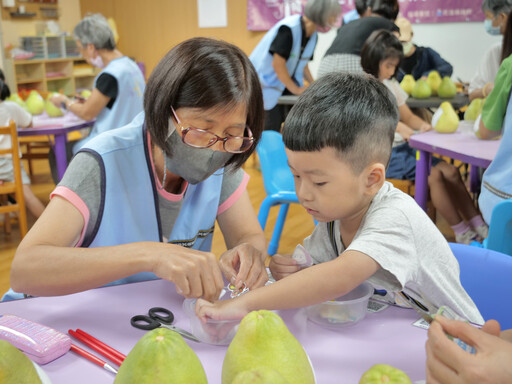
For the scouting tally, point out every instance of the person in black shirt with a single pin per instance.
(345, 51)
(418, 61)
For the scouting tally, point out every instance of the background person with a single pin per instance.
(118, 90)
(496, 120)
(361, 10)
(418, 61)
(496, 15)
(344, 54)
(380, 57)
(9, 110)
(141, 202)
(281, 57)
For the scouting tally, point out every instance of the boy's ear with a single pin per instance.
(375, 176)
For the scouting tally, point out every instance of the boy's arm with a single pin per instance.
(312, 285)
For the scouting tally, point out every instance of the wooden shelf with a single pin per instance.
(34, 72)
(58, 78)
(28, 81)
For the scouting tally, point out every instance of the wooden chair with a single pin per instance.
(13, 188)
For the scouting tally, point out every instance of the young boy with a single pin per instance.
(338, 140)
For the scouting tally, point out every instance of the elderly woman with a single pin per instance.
(156, 187)
(118, 89)
(281, 57)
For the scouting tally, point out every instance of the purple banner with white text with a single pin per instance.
(263, 14)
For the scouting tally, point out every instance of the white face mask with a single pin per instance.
(407, 46)
(97, 62)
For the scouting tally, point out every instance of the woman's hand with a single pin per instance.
(58, 99)
(195, 273)
(450, 364)
(404, 130)
(282, 266)
(425, 127)
(244, 264)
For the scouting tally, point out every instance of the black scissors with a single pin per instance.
(159, 317)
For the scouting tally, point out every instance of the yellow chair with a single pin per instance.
(16, 187)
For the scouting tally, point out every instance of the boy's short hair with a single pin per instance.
(352, 113)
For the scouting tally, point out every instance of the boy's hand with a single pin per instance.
(244, 264)
(282, 266)
(221, 310)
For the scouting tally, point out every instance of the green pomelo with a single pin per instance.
(264, 341)
(384, 373)
(51, 109)
(85, 93)
(447, 89)
(262, 375)
(408, 83)
(434, 81)
(421, 90)
(35, 103)
(15, 367)
(161, 356)
(474, 109)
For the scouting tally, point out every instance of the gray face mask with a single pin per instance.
(193, 164)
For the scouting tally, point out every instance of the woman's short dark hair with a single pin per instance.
(381, 45)
(5, 92)
(385, 8)
(203, 73)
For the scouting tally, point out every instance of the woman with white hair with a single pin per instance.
(118, 90)
(281, 58)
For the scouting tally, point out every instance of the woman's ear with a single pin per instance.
(375, 175)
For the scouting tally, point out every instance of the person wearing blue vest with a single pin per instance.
(140, 202)
(281, 57)
(117, 95)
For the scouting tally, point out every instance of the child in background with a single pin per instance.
(338, 140)
(418, 61)
(380, 57)
(12, 111)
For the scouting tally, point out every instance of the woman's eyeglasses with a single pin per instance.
(200, 138)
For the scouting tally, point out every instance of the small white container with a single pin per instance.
(217, 332)
(344, 311)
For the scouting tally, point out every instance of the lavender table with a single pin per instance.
(337, 356)
(461, 145)
(59, 127)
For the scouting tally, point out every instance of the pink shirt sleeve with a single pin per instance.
(78, 203)
(234, 196)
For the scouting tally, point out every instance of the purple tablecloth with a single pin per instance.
(337, 356)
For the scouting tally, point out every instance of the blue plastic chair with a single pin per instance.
(278, 182)
(486, 276)
(500, 229)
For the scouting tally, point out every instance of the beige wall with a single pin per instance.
(69, 15)
(148, 29)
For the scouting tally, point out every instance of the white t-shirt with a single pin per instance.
(401, 97)
(413, 255)
(487, 68)
(9, 110)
